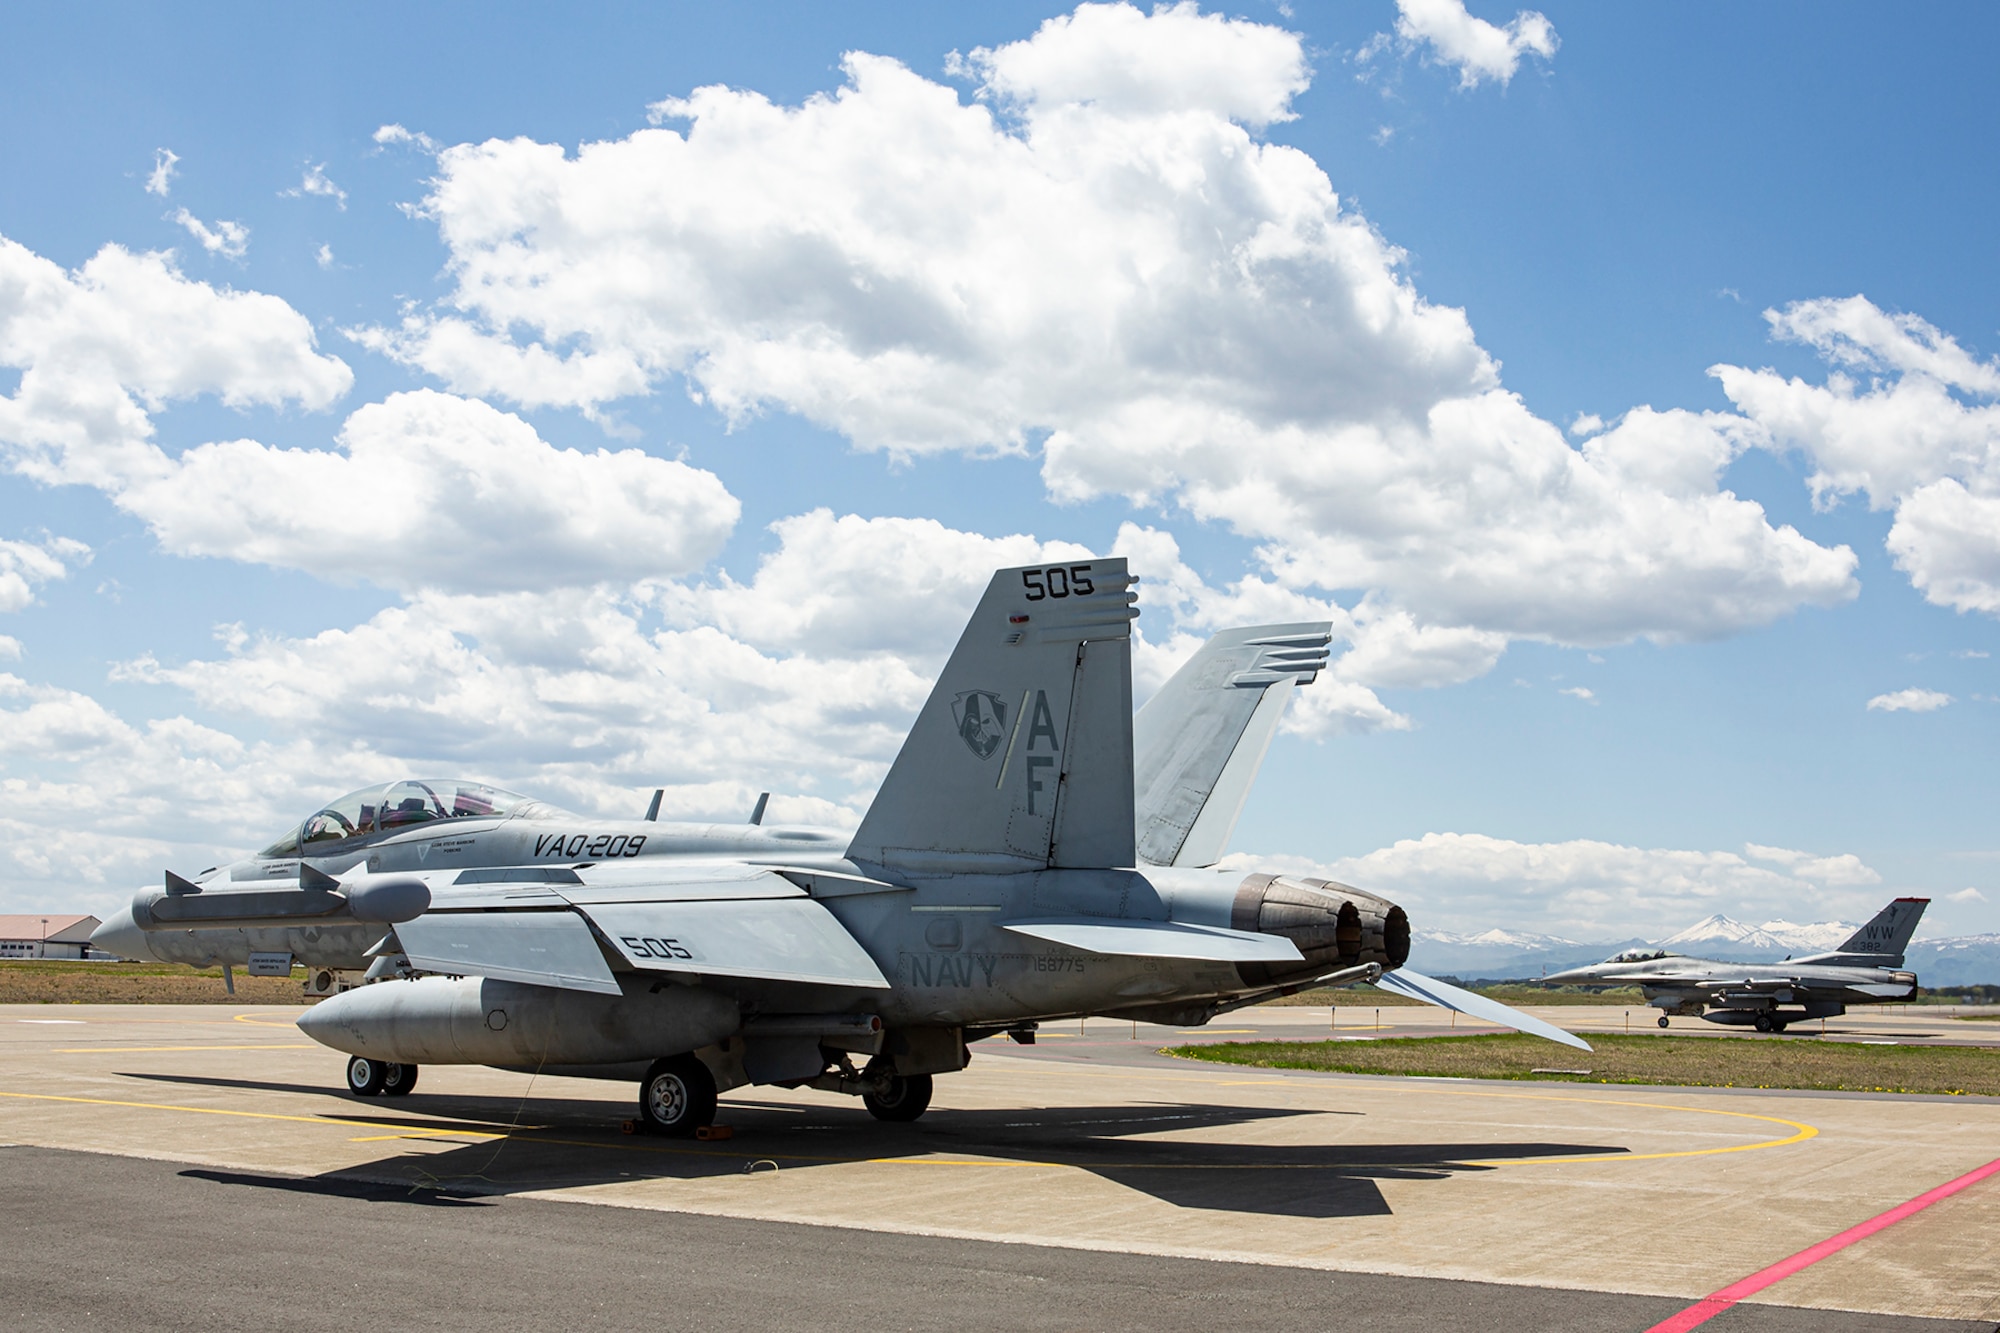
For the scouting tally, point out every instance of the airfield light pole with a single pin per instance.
(42, 949)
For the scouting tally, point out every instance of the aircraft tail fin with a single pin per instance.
(1021, 758)
(1888, 935)
(1198, 743)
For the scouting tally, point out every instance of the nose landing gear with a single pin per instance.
(1663, 1020)
(379, 1078)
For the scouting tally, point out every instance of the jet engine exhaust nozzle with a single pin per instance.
(1334, 925)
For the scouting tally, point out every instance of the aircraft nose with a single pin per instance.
(1570, 977)
(121, 935)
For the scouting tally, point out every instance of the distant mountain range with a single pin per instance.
(1960, 960)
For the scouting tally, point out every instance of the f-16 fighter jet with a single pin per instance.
(1867, 969)
(996, 882)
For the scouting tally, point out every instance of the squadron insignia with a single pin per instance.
(982, 720)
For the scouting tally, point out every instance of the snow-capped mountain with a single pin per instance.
(1502, 953)
(1958, 960)
(1723, 937)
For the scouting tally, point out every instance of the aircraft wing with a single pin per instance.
(766, 939)
(539, 948)
(1198, 743)
(722, 920)
(1159, 939)
(1431, 991)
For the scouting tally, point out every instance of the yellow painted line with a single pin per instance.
(130, 1050)
(1217, 1032)
(431, 1136)
(221, 1110)
(1802, 1132)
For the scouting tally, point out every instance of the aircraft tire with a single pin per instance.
(677, 1097)
(365, 1077)
(908, 1097)
(1762, 1023)
(397, 1080)
(1663, 1020)
(1779, 1025)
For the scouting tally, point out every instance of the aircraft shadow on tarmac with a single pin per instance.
(563, 1143)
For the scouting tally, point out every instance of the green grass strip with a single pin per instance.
(1712, 1062)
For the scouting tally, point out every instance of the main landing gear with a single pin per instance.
(677, 1097)
(900, 1097)
(378, 1078)
(1766, 1023)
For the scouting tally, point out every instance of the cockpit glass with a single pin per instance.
(398, 805)
(1641, 955)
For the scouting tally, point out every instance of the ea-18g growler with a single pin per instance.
(1018, 865)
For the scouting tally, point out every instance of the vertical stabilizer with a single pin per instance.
(1022, 757)
(1885, 939)
(1198, 743)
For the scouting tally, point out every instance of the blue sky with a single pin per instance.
(589, 472)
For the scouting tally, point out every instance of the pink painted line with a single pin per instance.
(1710, 1306)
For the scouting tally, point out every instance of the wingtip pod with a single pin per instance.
(1446, 996)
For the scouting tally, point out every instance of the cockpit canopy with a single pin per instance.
(1641, 956)
(397, 805)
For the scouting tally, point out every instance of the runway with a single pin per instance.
(1083, 1182)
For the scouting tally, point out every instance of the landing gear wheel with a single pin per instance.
(365, 1077)
(397, 1080)
(1779, 1024)
(1663, 1020)
(1762, 1023)
(905, 1098)
(677, 1097)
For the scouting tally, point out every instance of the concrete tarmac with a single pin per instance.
(1075, 1186)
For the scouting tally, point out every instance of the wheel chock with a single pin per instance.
(714, 1133)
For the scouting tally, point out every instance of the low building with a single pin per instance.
(46, 935)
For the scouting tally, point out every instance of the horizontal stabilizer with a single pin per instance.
(534, 948)
(767, 939)
(1198, 742)
(1160, 939)
(1420, 987)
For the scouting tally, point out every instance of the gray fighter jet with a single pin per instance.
(1867, 969)
(996, 882)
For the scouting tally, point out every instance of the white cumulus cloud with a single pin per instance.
(231, 240)
(1913, 700)
(1906, 417)
(160, 179)
(24, 564)
(1099, 258)
(1581, 889)
(1446, 34)
(478, 502)
(102, 348)
(425, 489)
(316, 183)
